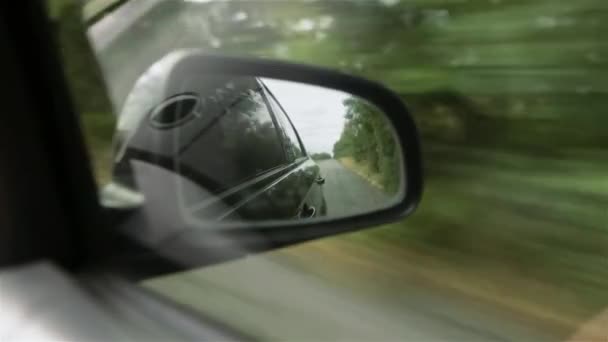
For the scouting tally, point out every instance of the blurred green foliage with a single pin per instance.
(510, 98)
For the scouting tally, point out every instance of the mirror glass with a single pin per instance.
(226, 148)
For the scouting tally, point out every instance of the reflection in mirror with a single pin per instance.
(227, 148)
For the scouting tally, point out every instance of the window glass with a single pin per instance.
(293, 147)
(242, 143)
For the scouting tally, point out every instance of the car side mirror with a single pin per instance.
(223, 156)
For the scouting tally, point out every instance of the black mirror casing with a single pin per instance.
(196, 247)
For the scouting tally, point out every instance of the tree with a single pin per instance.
(321, 156)
(368, 138)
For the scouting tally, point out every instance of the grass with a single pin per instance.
(362, 170)
(526, 233)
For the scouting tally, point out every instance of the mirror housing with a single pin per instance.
(183, 244)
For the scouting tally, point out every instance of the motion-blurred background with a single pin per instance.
(510, 240)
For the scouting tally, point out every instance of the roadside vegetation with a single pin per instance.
(510, 99)
(367, 145)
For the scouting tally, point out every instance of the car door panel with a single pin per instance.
(282, 199)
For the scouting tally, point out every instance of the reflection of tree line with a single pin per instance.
(242, 142)
(369, 140)
(321, 156)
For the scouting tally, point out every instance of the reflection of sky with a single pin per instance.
(316, 112)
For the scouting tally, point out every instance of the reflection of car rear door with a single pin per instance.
(221, 160)
(246, 149)
(234, 150)
(308, 176)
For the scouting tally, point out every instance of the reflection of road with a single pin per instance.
(348, 193)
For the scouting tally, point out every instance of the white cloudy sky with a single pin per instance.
(317, 113)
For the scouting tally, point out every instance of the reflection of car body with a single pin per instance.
(234, 147)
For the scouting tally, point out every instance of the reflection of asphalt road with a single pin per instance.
(348, 193)
(267, 296)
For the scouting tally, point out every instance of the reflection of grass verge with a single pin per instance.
(362, 170)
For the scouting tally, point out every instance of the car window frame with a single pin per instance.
(275, 122)
(270, 96)
(47, 151)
